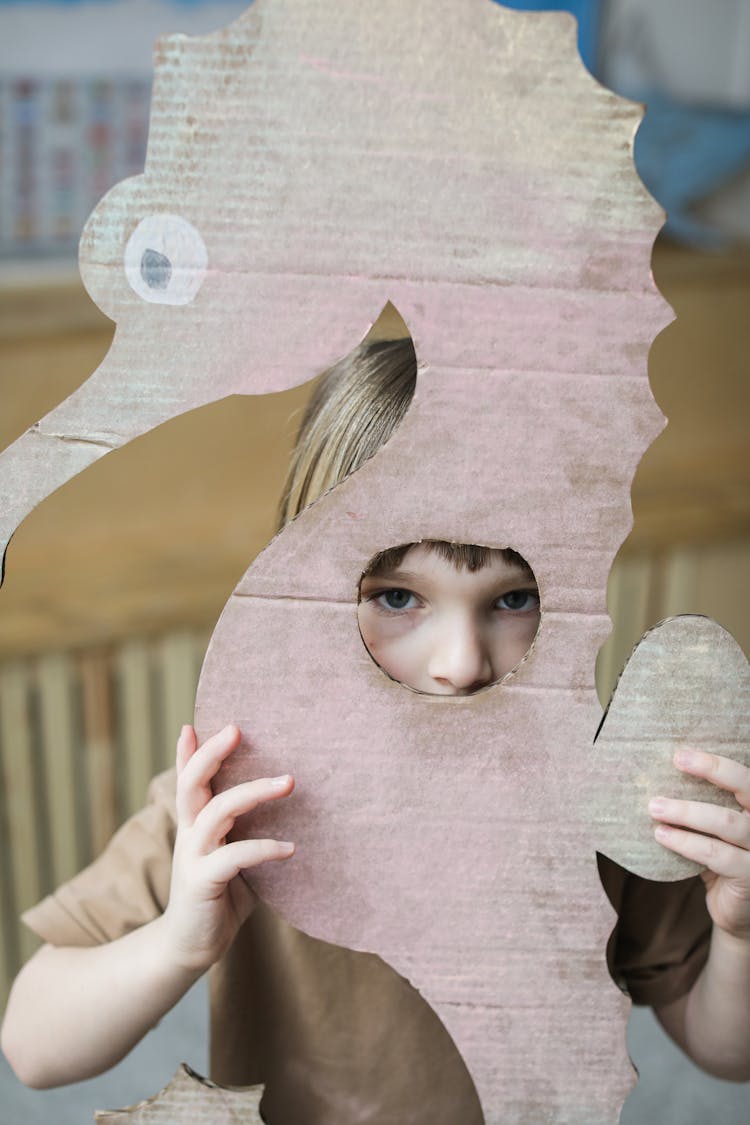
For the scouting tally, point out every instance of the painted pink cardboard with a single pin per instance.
(317, 158)
(686, 681)
(456, 837)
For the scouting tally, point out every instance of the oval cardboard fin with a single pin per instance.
(686, 685)
(189, 1097)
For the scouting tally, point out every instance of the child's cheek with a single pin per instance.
(381, 631)
(513, 640)
(394, 645)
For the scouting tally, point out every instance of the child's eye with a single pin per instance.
(396, 599)
(518, 601)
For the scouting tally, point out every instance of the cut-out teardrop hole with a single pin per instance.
(448, 618)
(356, 406)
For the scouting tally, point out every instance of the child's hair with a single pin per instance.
(355, 408)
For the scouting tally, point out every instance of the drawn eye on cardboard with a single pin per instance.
(166, 260)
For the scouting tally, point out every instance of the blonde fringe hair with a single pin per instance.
(355, 408)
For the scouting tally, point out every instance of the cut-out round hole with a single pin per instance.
(166, 260)
(448, 618)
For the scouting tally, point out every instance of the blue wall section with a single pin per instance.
(684, 153)
(585, 11)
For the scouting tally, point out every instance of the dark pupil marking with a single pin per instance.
(516, 599)
(156, 269)
(397, 599)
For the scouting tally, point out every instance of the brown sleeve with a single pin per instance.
(127, 886)
(660, 942)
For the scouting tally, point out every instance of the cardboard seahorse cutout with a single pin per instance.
(306, 165)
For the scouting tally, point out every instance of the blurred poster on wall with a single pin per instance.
(75, 84)
(63, 143)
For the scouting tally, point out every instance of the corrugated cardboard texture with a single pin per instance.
(316, 159)
(687, 684)
(191, 1099)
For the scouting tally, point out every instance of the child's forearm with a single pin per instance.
(712, 1023)
(73, 1013)
(98, 1002)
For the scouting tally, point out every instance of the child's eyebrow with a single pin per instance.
(517, 571)
(384, 573)
(385, 565)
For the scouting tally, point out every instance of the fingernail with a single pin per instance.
(685, 758)
(285, 847)
(657, 805)
(661, 831)
(280, 782)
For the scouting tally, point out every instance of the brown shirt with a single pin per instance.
(338, 1037)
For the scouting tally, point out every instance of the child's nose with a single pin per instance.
(460, 660)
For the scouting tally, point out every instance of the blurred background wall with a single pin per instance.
(115, 582)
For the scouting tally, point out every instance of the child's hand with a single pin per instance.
(209, 900)
(714, 836)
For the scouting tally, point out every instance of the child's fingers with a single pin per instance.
(194, 782)
(223, 864)
(711, 820)
(723, 772)
(187, 744)
(718, 856)
(217, 818)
